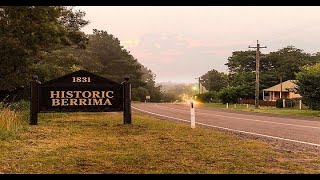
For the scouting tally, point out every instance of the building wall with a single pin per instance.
(273, 96)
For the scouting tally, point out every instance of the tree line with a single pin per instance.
(288, 63)
(47, 41)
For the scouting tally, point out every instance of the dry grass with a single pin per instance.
(10, 122)
(100, 143)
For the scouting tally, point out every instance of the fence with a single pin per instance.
(261, 102)
(293, 103)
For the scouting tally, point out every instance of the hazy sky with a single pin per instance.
(180, 43)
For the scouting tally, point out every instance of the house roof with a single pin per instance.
(290, 84)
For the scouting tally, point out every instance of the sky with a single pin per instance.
(181, 43)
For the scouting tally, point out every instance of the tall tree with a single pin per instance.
(29, 34)
(214, 80)
(110, 59)
(287, 61)
(241, 61)
(105, 56)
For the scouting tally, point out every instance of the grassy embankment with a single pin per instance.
(263, 109)
(100, 143)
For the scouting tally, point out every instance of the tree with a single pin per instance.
(154, 91)
(29, 34)
(214, 80)
(309, 85)
(245, 81)
(274, 67)
(242, 67)
(287, 61)
(139, 94)
(110, 59)
(180, 90)
(105, 56)
(241, 61)
(230, 94)
(169, 97)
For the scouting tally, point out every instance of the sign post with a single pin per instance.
(126, 101)
(34, 104)
(193, 117)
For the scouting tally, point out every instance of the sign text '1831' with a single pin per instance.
(81, 79)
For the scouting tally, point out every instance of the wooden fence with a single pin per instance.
(261, 102)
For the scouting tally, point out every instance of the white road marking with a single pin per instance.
(235, 130)
(246, 119)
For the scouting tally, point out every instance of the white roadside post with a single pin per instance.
(300, 104)
(235, 105)
(193, 117)
(283, 103)
(227, 105)
(247, 106)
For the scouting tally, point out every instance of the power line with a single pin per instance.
(257, 72)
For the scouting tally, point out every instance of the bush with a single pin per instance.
(279, 103)
(230, 94)
(20, 105)
(288, 103)
(208, 97)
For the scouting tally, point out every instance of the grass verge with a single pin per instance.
(100, 143)
(11, 122)
(263, 109)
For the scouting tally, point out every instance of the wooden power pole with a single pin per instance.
(256, 102)
(199, 79)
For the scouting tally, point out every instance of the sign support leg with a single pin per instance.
(127, 101)
(34, 105)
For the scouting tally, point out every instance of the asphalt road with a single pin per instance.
(283, 128)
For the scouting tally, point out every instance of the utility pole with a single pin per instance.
(280, 87)
(199, 80)
(257, 72)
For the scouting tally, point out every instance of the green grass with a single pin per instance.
(270, 110)
(100, 143)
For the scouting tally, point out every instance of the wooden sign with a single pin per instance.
(80, 91)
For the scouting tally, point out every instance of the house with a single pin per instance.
(288, 91)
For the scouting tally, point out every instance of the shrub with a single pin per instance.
(288, 103)
(279, 103)
(230, 94)
(20, 105)
(208, 97)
